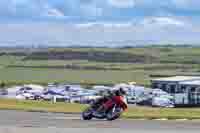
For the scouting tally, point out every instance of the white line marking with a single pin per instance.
(161, 119)
(181, 119)
(61, 118)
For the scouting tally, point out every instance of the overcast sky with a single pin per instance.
(89, 21)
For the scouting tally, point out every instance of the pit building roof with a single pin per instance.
(179, 79)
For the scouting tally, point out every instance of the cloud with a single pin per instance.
(96, 10)
(54, 13)
(122, 3)
(160, 30)
(104, 25)
(102, 19)
(28, 9)
(162, 21)
(142, 22)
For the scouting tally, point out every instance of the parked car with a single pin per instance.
(162, 102)
(25, 96)
(161, 98)
(30, 89)
(3, 92)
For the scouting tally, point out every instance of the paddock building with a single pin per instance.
(185, 89)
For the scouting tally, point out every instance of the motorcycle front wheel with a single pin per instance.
(113, 115)
(87, 114)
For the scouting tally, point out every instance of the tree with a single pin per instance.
(2, 85)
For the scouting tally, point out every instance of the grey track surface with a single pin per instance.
(32, 122)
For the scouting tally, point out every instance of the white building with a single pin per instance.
(185, 89)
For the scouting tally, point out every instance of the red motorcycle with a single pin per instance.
(111, 109)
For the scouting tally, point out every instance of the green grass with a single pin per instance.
(13, 75)
(132, 112)
(40, 106)
(174, 61)
(159, 113)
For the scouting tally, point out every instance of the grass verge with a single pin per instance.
(162, 113)
(132, 113)
(40, 106)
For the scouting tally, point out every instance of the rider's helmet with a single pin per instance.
(120, 92)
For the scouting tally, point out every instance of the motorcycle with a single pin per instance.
(112, 109)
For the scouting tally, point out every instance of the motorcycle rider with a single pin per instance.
(109, 99)
(106, 96)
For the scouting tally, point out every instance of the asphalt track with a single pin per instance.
(34, 122)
